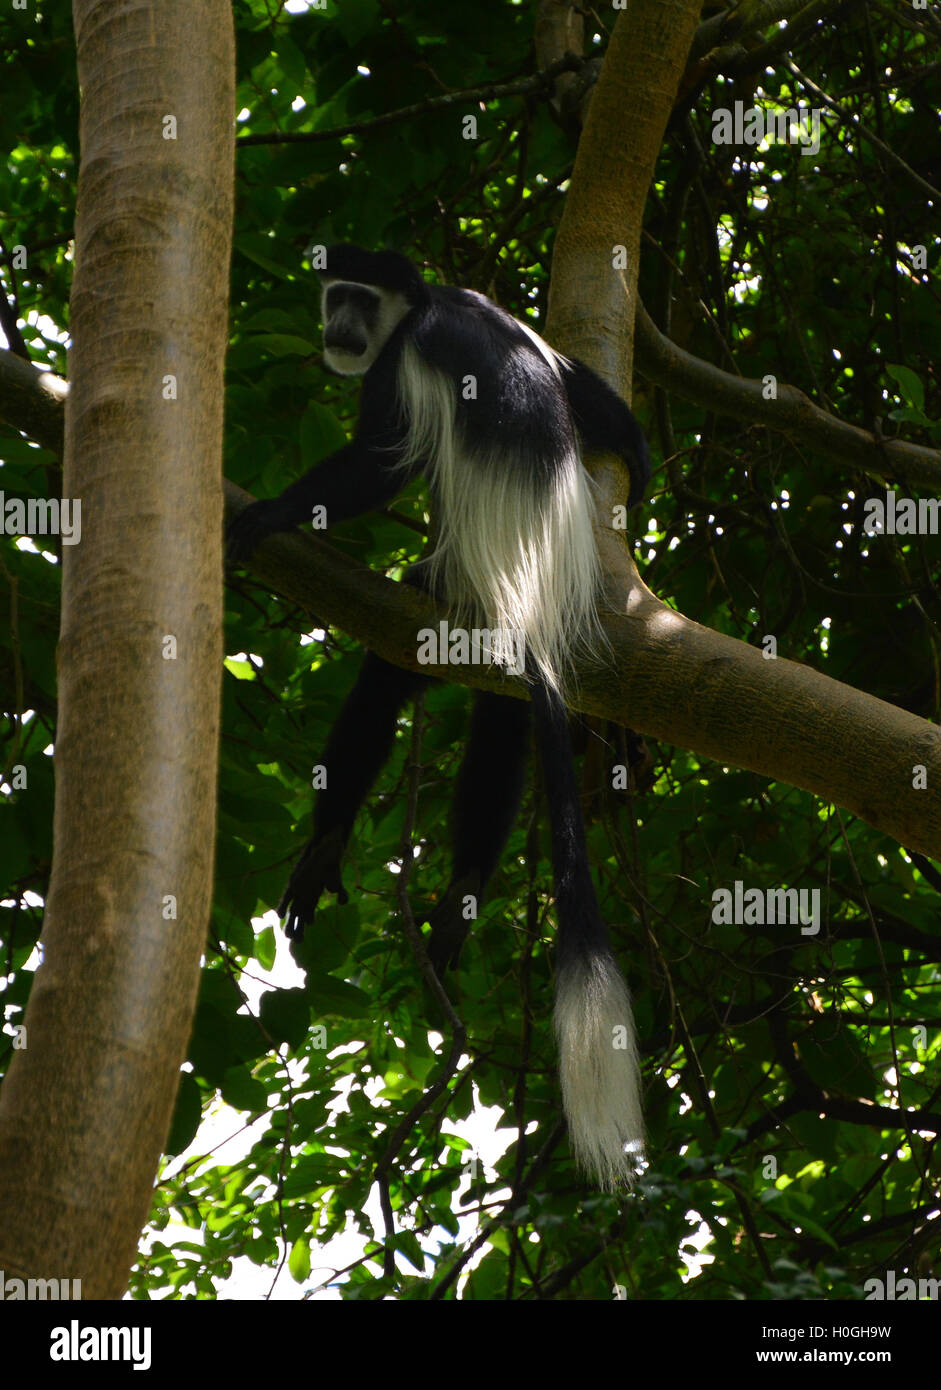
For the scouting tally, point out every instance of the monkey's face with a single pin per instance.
(358, 321)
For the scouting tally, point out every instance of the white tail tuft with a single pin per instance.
(598, 1068)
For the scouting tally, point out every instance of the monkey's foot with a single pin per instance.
(316, 872)
(450, 922)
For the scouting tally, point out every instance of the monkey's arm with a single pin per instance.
(358, 478)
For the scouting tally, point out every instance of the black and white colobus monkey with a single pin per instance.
(495, 419)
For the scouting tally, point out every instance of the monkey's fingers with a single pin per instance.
(253, 525)
(317, 872)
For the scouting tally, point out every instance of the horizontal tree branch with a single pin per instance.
(665, 676)
(32, 400)
(792, 413)
(815, 1101)
(492, 91)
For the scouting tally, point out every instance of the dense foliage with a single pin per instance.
(764, 1049)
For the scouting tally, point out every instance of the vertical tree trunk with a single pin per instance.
(86, 1106)
(593, 295)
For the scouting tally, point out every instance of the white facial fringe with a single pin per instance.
(393, 308)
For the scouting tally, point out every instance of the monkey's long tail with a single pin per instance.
(598, 1064)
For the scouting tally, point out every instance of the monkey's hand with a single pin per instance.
(316, 872)
(258, 521)
(450, 924)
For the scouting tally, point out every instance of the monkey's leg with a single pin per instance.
(486, 803)
(594, 1026)
(358, 747)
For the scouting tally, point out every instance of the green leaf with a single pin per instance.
(910, 385)
(335, 997)
(299, 1260)
(834, 1060)
(241, 1090)
(285, 1015)
(282, 344)
(187, 1114)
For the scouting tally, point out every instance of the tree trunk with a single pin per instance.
(87, 1105)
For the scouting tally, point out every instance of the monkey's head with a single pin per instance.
(366, 295)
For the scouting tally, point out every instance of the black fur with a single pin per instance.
(524, 421)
